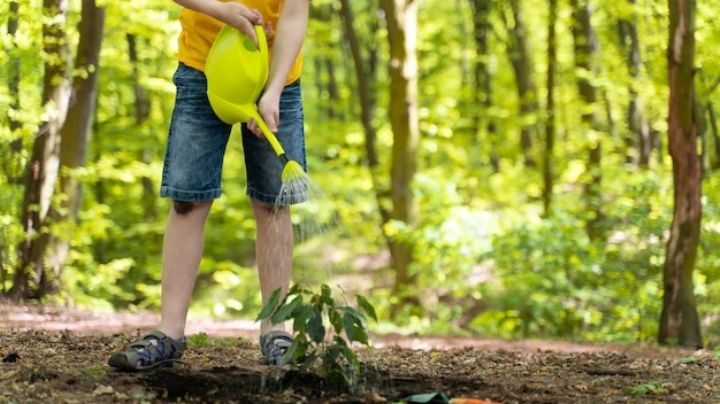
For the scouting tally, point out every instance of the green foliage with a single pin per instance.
(199, 340)
(318, 326)
(481, 239)
(649, 388)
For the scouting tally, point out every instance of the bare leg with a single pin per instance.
(273, 249)
(182, 251)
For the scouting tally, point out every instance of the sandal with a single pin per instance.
(273, 346)
(152, 350)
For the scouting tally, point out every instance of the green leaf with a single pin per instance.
(326, 295)
(315, 328)
(366, 306)
(335, 320)
(286, 311)
(340, 340)
(354, 328)
(301, 314)
(355, 314)
(269, 308)
(295, 290)
(295, 352)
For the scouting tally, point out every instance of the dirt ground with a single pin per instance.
(49, 365)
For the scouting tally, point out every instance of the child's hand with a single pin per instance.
(269, 108)
(239, 16)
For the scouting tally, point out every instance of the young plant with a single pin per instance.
(332, 359)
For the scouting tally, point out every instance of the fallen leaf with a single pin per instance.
(103, 389)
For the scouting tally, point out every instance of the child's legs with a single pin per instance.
(274, 238)
(182, 251)
(273, 251)
(191, 178)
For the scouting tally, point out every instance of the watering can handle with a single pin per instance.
(268, 134)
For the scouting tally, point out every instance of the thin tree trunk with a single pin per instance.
(320, 88)
(483, 78)
(520, 59)
(586, 49)
(679, 321)
(14, 168)
(716, 137)
(42, 169)
(75, 136)
(365, 83)
(712, 120)
(699, 112)
(465, 73)
(637, 123)
(365, 80)
(142, 113)
(333, 92)
(401, 18)
(548, 155)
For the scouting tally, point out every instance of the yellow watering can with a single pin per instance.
(237, 71)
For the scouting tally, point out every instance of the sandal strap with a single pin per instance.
(152, 349)
(274, 344)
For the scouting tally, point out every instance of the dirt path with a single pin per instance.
(83, 322)
(45, 364)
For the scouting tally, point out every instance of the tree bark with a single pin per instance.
(483, 78)
(636, 120)
(333, 92)
(716, 137)
(142, 113)
(548, 155)
(75, 133)
(521, 61)
(13, 169)
(679, 321)
(401, 18)
(42, 169)
(365, 90)
(586, 49)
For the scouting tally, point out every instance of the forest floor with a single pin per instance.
(53, 355)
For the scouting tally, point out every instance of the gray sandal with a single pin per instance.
(152, 350)
(273, 346)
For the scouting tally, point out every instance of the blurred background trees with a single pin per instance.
(495, 167)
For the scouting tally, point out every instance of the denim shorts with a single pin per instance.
(197, 140)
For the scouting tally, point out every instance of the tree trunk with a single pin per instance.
(637, 123)
(586, 50)
(333, 92)
(483, 78)
(716, 137)
(42, 168)
(13, 169)
(142, 113)
(401, 18)
(365, 85)
(679, 321)
(76, 133)
(548, 175)
(522, 67)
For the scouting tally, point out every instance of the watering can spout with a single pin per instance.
(237, 71)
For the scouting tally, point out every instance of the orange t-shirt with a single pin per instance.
(199, 31)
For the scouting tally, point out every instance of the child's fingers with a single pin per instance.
(253, 16)
(271, 119)
(254, 128)
(247, 27)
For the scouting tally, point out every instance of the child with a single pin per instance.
(193, 164)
